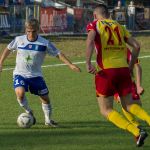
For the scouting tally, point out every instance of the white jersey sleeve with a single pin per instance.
(52, 50)
(12, 46)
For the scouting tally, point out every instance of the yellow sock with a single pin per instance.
(130, 118)
(121, 122)
(140, 112)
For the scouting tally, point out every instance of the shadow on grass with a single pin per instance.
(70, 134)
(68, 130)
(65, 125)
(85, 124)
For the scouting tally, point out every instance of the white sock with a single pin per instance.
(23, 103)
(47, 112)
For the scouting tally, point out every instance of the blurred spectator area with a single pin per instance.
(66, 16)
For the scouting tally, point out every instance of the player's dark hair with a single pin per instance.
(102, 9)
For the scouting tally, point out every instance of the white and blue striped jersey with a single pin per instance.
(30, 55)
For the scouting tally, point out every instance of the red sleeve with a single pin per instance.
(91, 26)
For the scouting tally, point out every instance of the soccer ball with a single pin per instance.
(25, 120)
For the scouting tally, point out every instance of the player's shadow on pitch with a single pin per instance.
(79, 135)
(77, 124)
(84, 124)
(67, 125)
(71, 133)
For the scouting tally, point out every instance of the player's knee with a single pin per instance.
(20, 94)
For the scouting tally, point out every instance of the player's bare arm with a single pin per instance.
(64, 59)
(138, 70)
(89, 51)
(4, 55)
(136, 49)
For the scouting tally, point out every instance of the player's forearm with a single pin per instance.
(64, 59)
(4, 55)
(90, 46)
(135, 52)
(134, 44)
(138, 70)
(134, 56)
(89, 51)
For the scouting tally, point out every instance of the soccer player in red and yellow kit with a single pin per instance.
(109, 39)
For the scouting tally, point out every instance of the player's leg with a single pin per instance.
(105, 86)
(128, 115)
(136, 110)
(46, 107)
(106, 108)
(38, 87)
(126, 102)
(124, 87)
(20, 87)
(21, 98)
(107, 83)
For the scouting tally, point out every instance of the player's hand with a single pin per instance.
(75, 68)
(91, 69)
(140, 90)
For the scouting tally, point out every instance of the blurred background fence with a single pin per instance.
(68, 16)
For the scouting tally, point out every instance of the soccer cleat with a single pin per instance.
(140, 127)
(34, 119)
(52, 123)
(140, 139)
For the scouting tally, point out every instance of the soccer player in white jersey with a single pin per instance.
(31, 50)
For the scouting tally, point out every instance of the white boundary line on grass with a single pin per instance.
(79, 62)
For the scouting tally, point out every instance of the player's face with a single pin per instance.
(32, 33)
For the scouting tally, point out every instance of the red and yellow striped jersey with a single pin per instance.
(110, 43)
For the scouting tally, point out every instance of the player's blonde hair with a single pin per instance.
(34, 23)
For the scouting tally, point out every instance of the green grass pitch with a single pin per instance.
(74, 107)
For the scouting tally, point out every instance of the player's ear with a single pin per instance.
(95, 17)
(25, 30)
